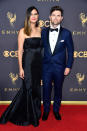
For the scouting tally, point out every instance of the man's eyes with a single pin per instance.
(56, 15)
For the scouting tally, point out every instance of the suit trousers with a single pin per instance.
(52, 73)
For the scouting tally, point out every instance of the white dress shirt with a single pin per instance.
(53, 36)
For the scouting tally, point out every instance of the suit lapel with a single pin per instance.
(58, 39)
(49, 48)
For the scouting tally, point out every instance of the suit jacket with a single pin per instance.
(63, 52)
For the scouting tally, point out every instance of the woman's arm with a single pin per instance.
(20, 52)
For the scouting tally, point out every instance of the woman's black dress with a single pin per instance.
(25, 108)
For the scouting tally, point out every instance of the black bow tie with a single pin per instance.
(56, 29)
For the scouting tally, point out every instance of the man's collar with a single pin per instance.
(56, 27)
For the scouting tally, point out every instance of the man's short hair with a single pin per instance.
(55, 8)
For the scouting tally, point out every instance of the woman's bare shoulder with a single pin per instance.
(21, 31)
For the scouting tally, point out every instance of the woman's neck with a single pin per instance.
(33, 26)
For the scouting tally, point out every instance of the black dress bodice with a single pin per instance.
(32, 43)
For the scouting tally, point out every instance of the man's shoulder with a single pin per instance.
(66, 30)
(45, 29)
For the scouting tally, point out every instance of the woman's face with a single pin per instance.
(34, 16)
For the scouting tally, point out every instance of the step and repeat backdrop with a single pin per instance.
(12, 15)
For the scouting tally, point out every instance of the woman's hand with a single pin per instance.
(21, 73)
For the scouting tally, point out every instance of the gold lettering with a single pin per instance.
(12, 53)
(47, 23)
(13, 32)
(77, 89)
(79, 33)
(85, 53)
(8, 32)
(3, 32)
(80, 54)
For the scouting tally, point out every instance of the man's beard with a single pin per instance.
(55, 24)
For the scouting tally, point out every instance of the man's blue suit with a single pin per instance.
(54, 65)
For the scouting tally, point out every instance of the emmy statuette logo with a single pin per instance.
(11, 17)
(13, 77)
(83, 19)
(80, 78)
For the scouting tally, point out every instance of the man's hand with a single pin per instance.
(66, 72)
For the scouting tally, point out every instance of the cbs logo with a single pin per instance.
(81, 54)
(10, 53)
(44, 23)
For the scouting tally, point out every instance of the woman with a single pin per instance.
(25, 107)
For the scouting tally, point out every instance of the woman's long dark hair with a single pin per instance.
(27, 29)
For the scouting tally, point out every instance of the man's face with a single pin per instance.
(55, 17)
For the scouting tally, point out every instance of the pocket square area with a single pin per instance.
(62, 41)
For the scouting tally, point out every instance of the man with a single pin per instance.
(57, 60)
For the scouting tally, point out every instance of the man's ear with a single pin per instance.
(49, 16)
(62, 17)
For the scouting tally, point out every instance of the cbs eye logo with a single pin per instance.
(80, 54)
(10, 53)
(44, 23)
